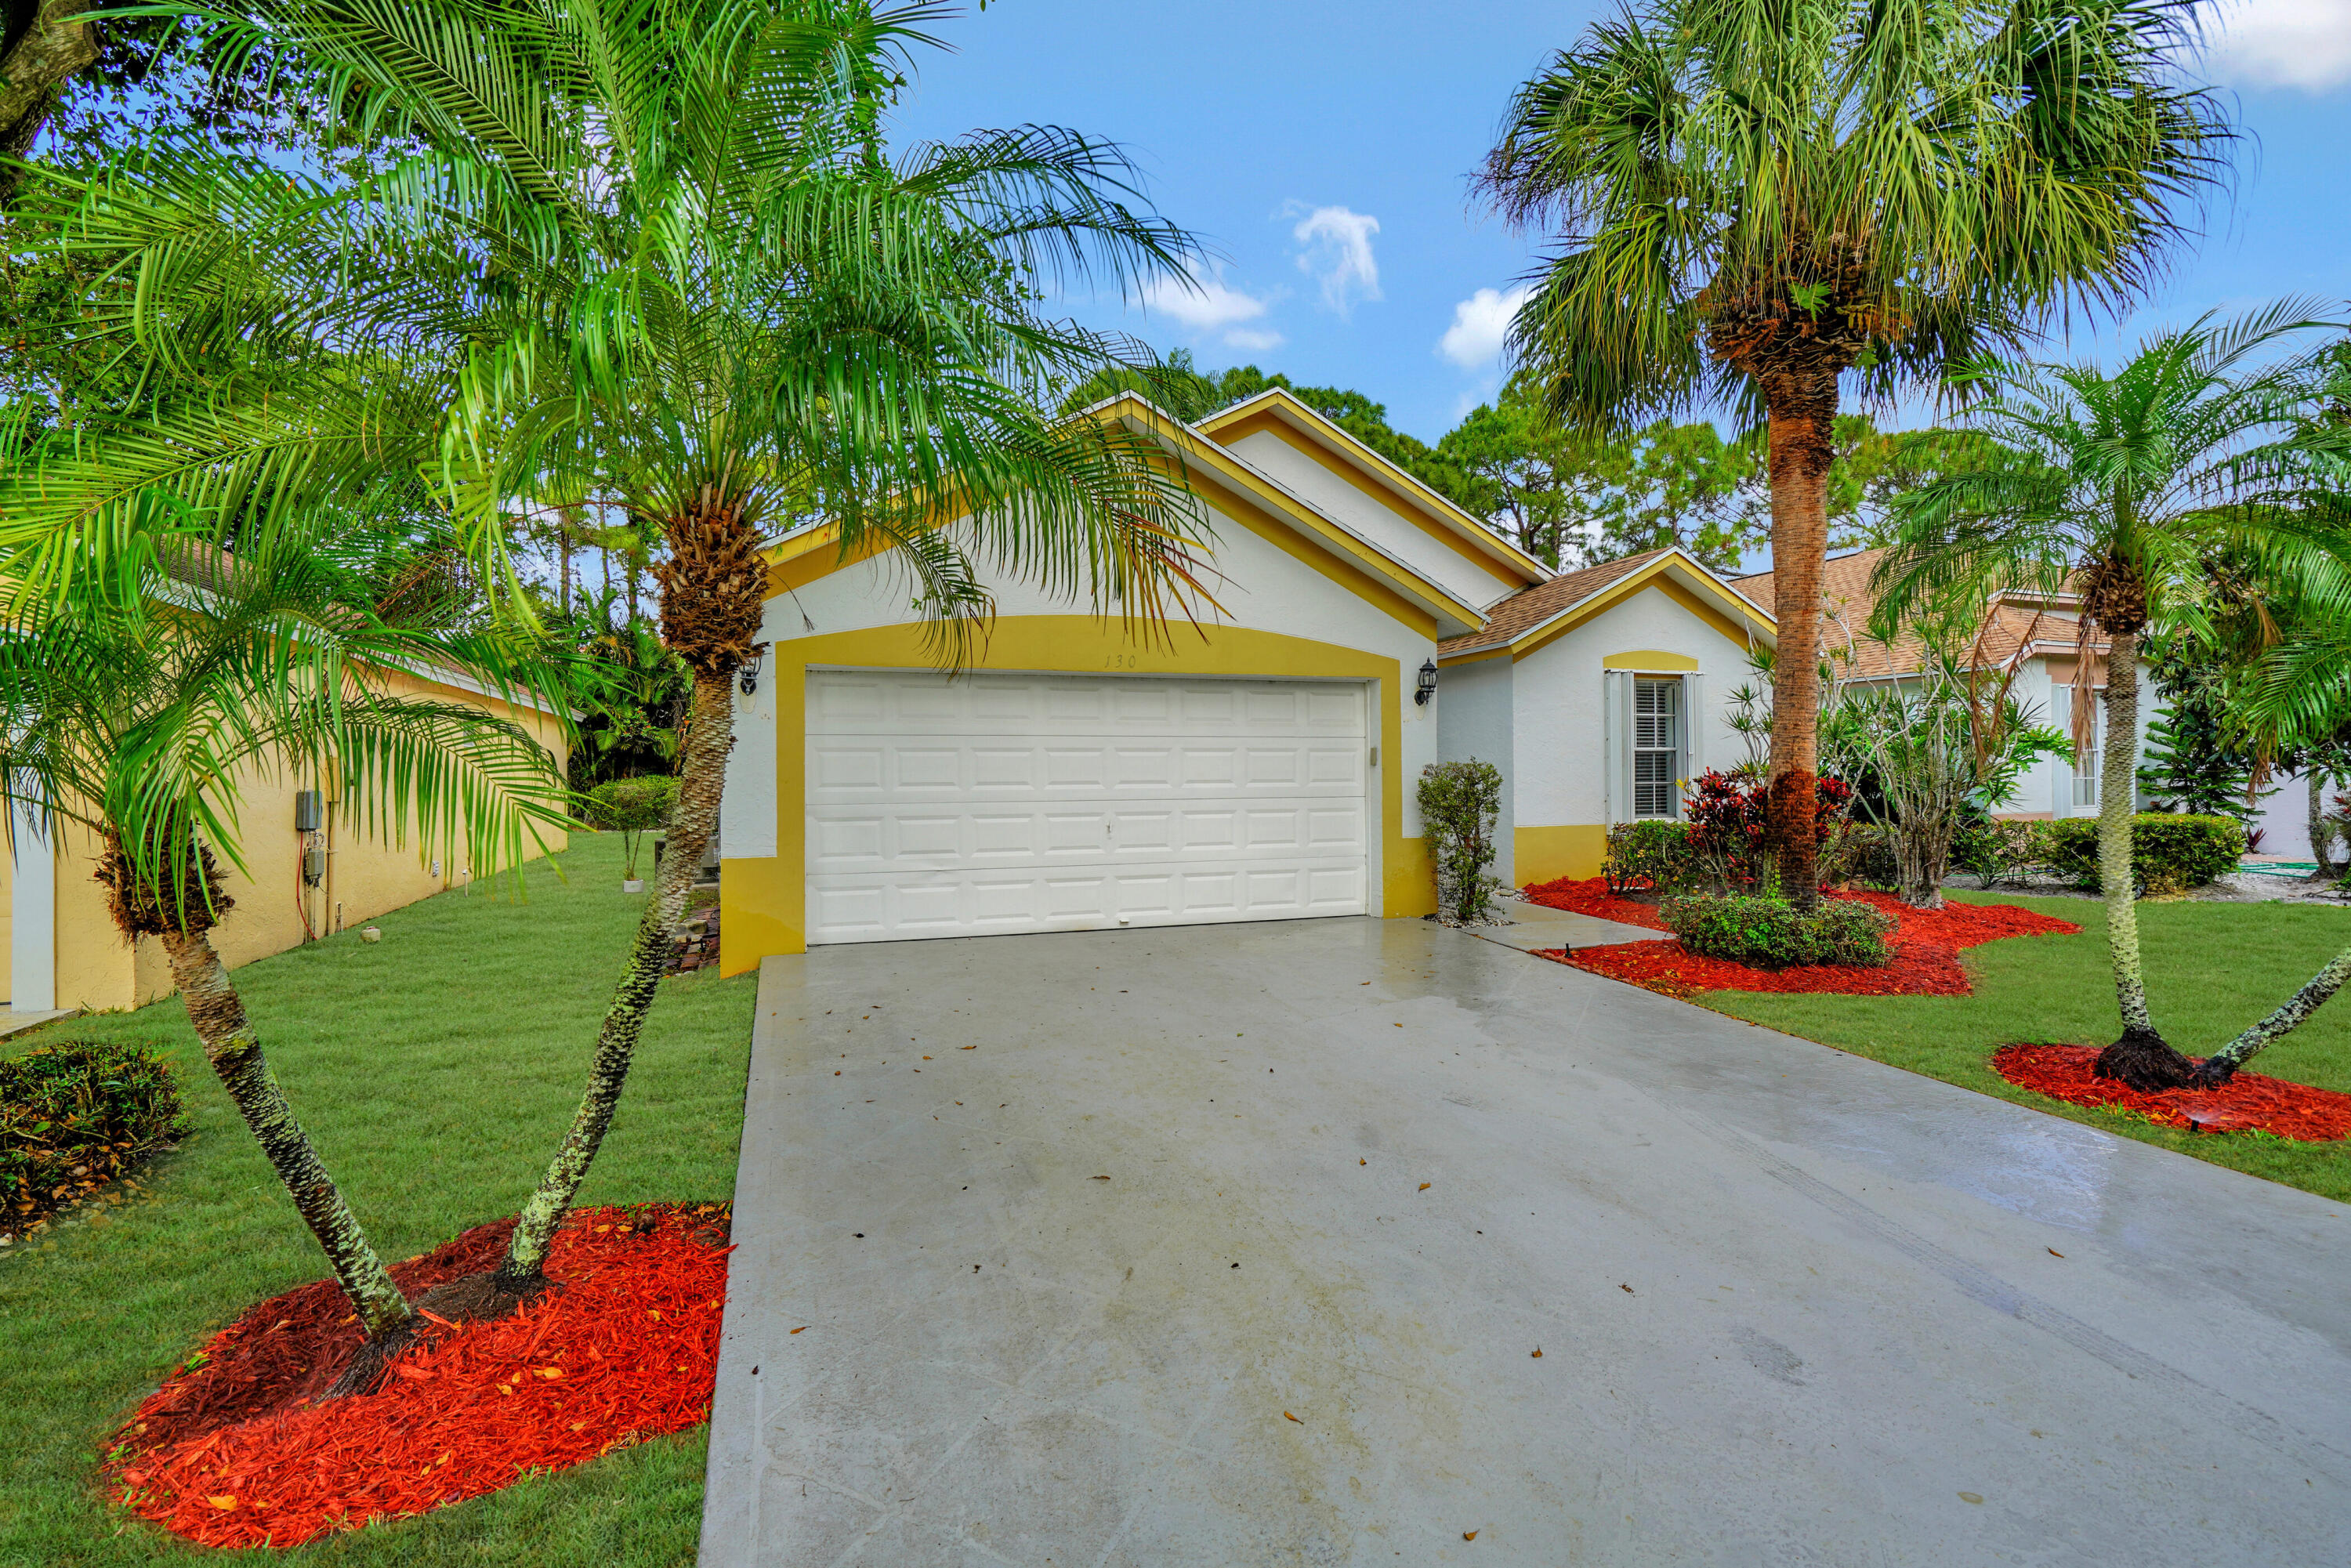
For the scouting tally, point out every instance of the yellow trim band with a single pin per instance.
(1650, 659)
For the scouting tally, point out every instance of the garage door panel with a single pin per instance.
(1016, 803)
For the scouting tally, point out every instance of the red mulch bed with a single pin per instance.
(1926, 942)
(2247, 1102)
(235, 1451)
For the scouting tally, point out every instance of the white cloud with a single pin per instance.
(2304, 44)
(1208, 305)
(1251, 340)
(1480, 324)
(1337, 254)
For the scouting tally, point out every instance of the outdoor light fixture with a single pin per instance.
(749, 678)
(1427, 682)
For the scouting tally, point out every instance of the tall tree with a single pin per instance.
(133, 706)
(659, 249)
(1759, 203)
(2123, 489)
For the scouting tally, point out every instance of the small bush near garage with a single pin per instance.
(1653, 855)
(1460, 805)
(630, 808)
(74, 1117)
(1770, 934)
(2170, 852)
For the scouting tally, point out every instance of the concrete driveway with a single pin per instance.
(1234, 1245)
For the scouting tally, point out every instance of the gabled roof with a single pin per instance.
(2016, 625)
(1241, 489)
(1280, 410)
(1527, 620)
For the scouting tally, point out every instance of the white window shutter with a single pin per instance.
(1694, 724)
(1616, 750)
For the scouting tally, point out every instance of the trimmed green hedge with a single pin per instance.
(2170, 851)
(74, 1115)
(1770, 934)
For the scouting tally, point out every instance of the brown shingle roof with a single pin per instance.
(1847, 604)
(1530, 607)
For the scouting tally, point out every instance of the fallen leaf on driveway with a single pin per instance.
(1537, 1355)
(1424, 1186)
(1468, 1535)
(1627, 1290)
(1102, 1178)
(966, 1048)
(802, 1329)
(1288, 1417)
(2054, 1253)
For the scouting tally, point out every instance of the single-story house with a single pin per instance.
(309, 873)
(1260, 767)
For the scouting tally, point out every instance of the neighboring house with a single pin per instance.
(1598, 693)
(2036, 635)
(1259, 766)
(61, 949)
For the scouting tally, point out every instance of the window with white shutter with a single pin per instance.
(1656, 748)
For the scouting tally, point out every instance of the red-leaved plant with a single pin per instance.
(1725, 815)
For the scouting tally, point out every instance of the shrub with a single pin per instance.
(1861, 855)
(1653, 854)
(76, 1107)
(2169, 852)
(1770, 934)
(630, 808)
(1460, 804)
(1727, 813)
(1996, 851)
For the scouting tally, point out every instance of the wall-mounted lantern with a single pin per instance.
(1427, 682)
(748, 678)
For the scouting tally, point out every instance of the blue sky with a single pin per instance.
(1323, 151)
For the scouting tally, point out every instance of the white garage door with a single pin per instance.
(1002, 803)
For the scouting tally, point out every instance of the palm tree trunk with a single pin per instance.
(1803, 410)
(2221, 1065)
(234, 1052)
(2141, 1057)
(701, 777)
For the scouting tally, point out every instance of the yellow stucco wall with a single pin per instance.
(368, 872)
(1546, 854)
(762, 901)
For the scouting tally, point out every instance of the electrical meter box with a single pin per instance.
(314, 866)
(309, 814)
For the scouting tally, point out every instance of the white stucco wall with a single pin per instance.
(1474, 720)
(1335, 498)
(1560, 754)
(1260, 587)
(2047, 788)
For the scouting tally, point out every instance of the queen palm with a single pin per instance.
(2124, 490)
(135, 708)
(664, 261)
(1760, 203)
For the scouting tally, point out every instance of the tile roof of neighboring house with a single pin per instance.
(1847, 604)
(1530, 607)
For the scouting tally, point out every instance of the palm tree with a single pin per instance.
(658, 248)
(1762, 202)
(2125, 490)
(133, 704)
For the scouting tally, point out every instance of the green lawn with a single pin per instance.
(2211, 969)
(435, 1071)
